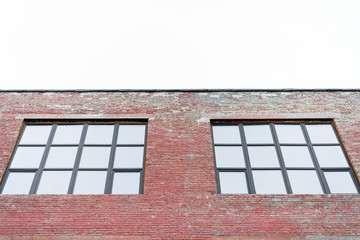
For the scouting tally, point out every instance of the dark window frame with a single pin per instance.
(85, 123)
(282, 167)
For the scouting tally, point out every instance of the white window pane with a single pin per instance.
(27, 157)
(90, 182)
(304, 182)
(258, 134)
(263, 156)
(69, 134)
(233, 182)
(340, 182)
(54, 182)
(35, 135)
(227, 156)
(126, 183)
(226, 134)
(131, 134)
(296, 156)
(18, 183)
(289, 133)
(61, 157)
(330, 156)
(95, 157)
(99, 134)
(269, 182)
(321, 133)
(129, 157)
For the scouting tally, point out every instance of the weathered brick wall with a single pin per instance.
(180, 199)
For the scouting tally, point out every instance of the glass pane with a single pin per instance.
(304, 182)
(232, 182)
(330, 156)
(321, 133)
(90, 182)
(18, 183)
(35, 134)
(269, 182)
(226, 134)
(61, 157)
(54, 182)
(95, 157)
(129, 157)
(131, 134)
(296, 156)
(258, 134)
(27, 157)
(289, 133)
(340, 182)
(69, 134)
(126, 183)
(263, 157)
(229, 157)
(99, 134)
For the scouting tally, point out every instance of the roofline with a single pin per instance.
(184, 90)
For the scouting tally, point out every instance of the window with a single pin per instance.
(77, 158)
(281, 158)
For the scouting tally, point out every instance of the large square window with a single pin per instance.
(281, 157)
(77, 158)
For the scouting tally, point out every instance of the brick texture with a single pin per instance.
(180, 199)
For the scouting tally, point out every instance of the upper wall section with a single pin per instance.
(180, 197)
(179, 135)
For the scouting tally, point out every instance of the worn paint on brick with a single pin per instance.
(180, 199)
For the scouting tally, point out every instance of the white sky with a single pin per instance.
(139, 44)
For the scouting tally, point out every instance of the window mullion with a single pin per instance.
(3, 180)
(77, 160)
(281, 159)
(39, 172)
(142, 173)
(110, 171)
(319, 171)
(248, 172)
(355, 180)
(218, 188)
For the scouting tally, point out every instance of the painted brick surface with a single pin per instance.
(180, 200)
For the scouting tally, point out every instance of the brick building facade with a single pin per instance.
(180, 198)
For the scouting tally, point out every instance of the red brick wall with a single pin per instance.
(180, 199)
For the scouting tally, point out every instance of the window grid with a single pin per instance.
(77, 160)
(282, 167)
(318, 169)
(248, 171)
(39, 172)
(281, 159)
(76, 168)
